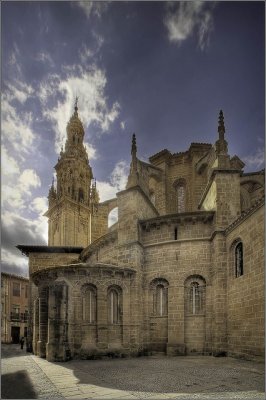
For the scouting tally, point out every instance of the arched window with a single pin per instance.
(180, 189)
(114, 306)
(160, 297)
(239, 259)
(89, 304)
(195, 295)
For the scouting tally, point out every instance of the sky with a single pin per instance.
(160, 69)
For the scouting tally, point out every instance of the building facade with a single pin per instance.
(181, 272)
(15, 307)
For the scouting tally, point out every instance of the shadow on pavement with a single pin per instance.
(17, 386)
(168, 375)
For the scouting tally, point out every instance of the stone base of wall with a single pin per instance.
(176, 349)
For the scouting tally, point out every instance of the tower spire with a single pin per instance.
(134, 146)
(76, 105)
(221, 128)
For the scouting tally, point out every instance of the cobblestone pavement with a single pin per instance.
(156, 377)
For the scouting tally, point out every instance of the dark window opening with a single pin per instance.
(239, 259)
(175, 233)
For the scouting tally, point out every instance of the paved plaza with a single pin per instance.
(156, 377)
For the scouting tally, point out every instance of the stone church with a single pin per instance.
(180, 272)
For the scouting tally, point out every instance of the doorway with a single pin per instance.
(15, 334)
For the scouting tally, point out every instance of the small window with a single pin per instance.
(16, 289)
(89, 305)
(159, 288)
(195, 295)
(26, 291)
(175, 233)
(195, 298)
(239, 259)
(160, 306)
(114, 307)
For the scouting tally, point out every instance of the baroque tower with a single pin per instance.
(71, 202)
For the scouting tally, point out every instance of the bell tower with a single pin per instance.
(70, 203)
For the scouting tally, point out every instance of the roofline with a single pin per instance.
(27, 249)
(15, 276)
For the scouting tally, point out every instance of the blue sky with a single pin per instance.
(162, 70)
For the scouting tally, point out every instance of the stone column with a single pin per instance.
(51, 341)
(176, 321)
(35, 325)
(43, 322)
(102, 326)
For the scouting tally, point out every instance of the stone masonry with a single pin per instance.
(181, 272)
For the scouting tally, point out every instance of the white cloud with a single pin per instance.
(39, 205)
(89, 86)
(256, 160)
(96, 8)
(91, 150)
(19, 91)
(16, 127)
(28, 179)
(85, 53)
(184, 17)
(45, 57)
(9, 164)
(123, 125)
(118, 181)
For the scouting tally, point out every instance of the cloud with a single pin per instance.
(256, 160)
(16, 189)
(8, 163)
(91, 150)
(14, 58)
(16, 126)
(44, 57)
(89, 86)
(185, 17)
(39, 205)
(28, 179)
(122, 125)
(19, 230)
(116, 183)
(90, 8)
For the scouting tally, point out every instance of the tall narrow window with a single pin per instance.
(239, 259)
(195, 290)
(114, 306)
(159, 289)
(179, 186)
(89, 305)
(161, 300)
(195, 298)
(181, 198)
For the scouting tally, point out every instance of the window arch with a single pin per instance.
(114, 302)
(160, 297)
(195, 292)
(89, 301)
(239, 259)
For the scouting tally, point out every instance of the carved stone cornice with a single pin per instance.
(259, 203)
(180, 218)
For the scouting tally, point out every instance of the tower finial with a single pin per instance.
(76, 104)
(134, 145)
(221, 128)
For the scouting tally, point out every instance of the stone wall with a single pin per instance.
(245, 294)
